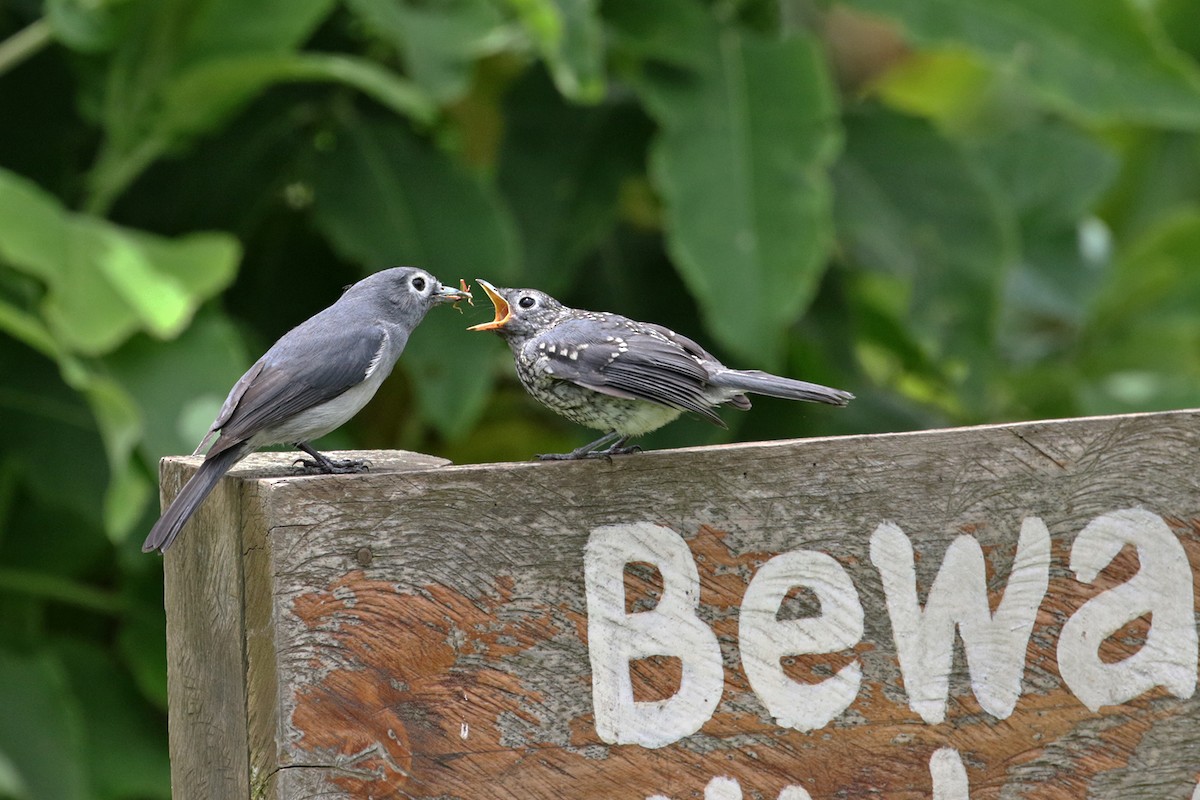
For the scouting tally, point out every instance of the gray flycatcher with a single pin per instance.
(317, 376)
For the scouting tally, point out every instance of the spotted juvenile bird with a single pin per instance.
(317, 376)
(622, 376)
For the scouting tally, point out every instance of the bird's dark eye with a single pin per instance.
(527, 302)
(418, 283)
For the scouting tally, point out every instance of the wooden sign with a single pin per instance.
(995, 612)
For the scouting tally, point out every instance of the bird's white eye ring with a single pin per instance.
(527, 302)
(418, 283)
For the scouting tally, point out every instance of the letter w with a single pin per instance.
(995, 644)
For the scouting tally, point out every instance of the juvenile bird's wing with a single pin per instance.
(608, 355)
(290, 379)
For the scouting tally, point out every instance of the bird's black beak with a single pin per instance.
(503, 312)
(448, 294)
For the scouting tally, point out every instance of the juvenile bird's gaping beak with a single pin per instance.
(503, 312)
(448, 294)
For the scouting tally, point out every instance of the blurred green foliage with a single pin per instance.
(963, 212)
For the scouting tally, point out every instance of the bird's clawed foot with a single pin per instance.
(324, 465)
(616, 448)
(333, 467)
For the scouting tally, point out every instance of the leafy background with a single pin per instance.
(964, 212)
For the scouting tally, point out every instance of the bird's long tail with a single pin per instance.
(759, 382)
(190, 497)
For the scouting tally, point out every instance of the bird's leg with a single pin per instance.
(614, 440)
(324, 464)
(618, 448)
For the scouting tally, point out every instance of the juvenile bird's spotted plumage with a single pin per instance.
(317, 376)
(622, 376)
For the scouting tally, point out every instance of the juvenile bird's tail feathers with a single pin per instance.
(759, 382)
(190, 497)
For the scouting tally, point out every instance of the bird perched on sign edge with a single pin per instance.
(622, 376)
(316, 377)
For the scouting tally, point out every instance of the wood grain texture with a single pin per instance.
(208, 639)
(423, 634)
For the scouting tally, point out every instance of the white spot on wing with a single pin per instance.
(375, 359)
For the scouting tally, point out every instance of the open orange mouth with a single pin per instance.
(503, 312)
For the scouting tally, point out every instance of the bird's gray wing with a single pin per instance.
(231, 402)
(293, 377)
(640, 362)
(689, 346)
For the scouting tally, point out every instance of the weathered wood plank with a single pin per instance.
(448, 632)
(210, 634)
(205, 640)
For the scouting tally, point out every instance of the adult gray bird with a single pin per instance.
(317, 376)
(622, 376)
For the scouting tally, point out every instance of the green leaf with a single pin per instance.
(142, 643)
(561, 169)
(40, 730)
(162, 39)
(384, 197)
(440, 41)
(1141, 335)
(1178, 18)
(1160, 174)
(117, 281)
(205, 96)
(11, 785)
(177, 412)
(1052, 173)
(671, 32)
(34, 230)
(161, 42)
(217, 28)
(1052, 176)
(51, 587)
(747, 131)
(104, 282)
(84, 25)
(125, 740)
(949, 85)
(51, 434)
(120, 422)
(27, 328)
(569, 35)
(929, 221)
(1104, 60)
(156, 298)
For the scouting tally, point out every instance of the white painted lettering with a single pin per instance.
(794, 793)
(1162, 587)
(722, 788)
(995, 644)
(670, 629)
(764, 640)
(949, 775)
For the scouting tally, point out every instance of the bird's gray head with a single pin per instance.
(403, 294)
(520, 313)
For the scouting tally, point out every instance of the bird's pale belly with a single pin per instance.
(313, 423)
(600, 411)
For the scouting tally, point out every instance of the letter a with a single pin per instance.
(1162, 587)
